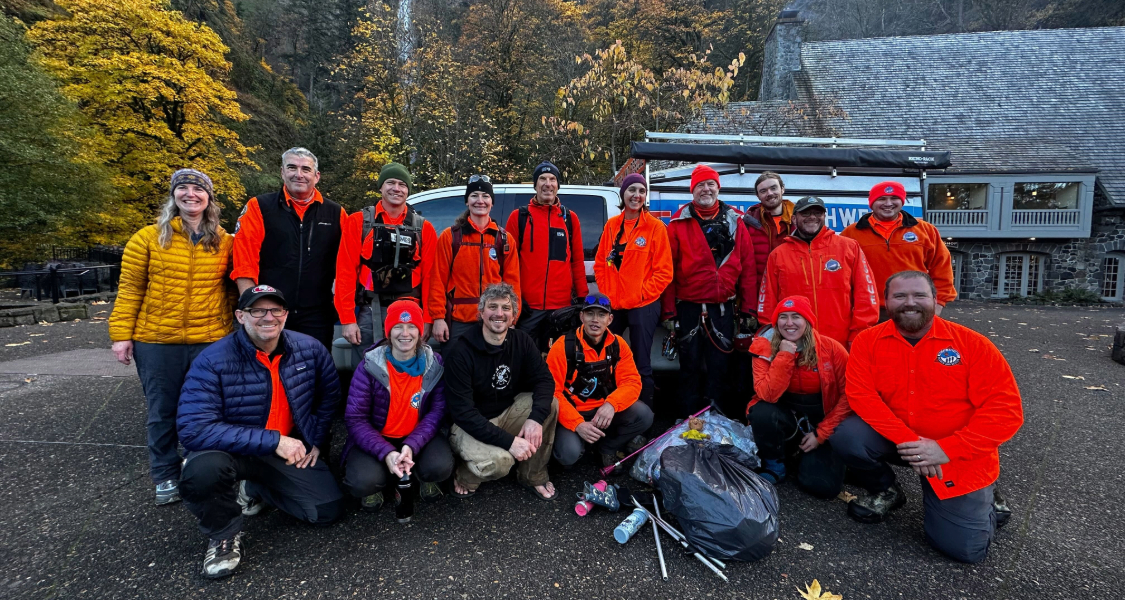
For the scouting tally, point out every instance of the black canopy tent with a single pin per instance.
(789, 155)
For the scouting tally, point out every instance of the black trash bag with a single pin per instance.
(724, 508)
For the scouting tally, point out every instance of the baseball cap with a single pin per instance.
(809, 202)
(597, 300)
(252, 295)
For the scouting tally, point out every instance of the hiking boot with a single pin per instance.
(873, 508)
(608, 460)
(429, 492)
(371, 503)
(605, 499)
(773, 471)
(635, 444)
(1000, 507)
(167, 492)
(250, 505)
(222, 557)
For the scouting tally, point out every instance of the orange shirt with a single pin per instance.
(406, 397)
(627, 378)
(251, 231)
(885, 228)
(281, 417)
(777, 221)
(953, 386)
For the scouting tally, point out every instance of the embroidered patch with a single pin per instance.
(502, 377)
(416, 400)
(889, 189)
(641, 241)
(492, 253)
(949, 357)
(910, 236)
(788, 304)
(404, 317)
(258, 289)
(832, 265)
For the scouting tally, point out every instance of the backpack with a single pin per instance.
(499, 245)
(576, 358)
(525, 214)
(394, 278)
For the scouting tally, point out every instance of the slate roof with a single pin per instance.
(1017, 101)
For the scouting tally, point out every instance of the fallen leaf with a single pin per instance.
(18, 344)
(813, 592)
(1097, 387)
(46, 324)
(35, 334)
(846, 497)
(1073, 377)
(804, 546)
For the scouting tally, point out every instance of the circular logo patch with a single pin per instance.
(492, 253)
(788, 304)
(832, 265)
(416, 400)
(910, 236)
(889, 189)
(404, 317)
(502, 377)
(264, 288)
(949, 357)
(641, 241)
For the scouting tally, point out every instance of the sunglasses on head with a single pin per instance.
(599, 300)
(476, 178)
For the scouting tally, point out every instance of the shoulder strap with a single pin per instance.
(414, 218)
(613, 354)
(574, 356)
(368, 222)
(569, 222)
(500, 243)
(521, 226)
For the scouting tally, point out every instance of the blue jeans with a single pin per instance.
(162, 368)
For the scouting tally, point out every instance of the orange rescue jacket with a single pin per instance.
(475, 267)
(552, 261)
(646, 263)
(953, 387)
(914, 245)
(772, 377)
(625, 373)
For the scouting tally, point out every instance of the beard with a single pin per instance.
(913, 323)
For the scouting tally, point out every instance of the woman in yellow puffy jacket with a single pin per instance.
(173, 300)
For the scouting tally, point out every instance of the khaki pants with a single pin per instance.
(479, 462)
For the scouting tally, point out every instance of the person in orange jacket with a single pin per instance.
(386, 253)
(597, 387)
(471, 255)
(937, 397)
(632, 267)
(290, 239)
(893, 241)
(799, 378)
(552, 264)
(829, 270)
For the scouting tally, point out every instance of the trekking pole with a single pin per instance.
(683, 542)
(675, 533)
(607, 470)
(656, 535)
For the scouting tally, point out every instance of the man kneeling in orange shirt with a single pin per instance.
(940, 398)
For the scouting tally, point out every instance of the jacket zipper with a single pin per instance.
(547, 273)
(187, 296)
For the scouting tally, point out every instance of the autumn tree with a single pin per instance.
(152, 84)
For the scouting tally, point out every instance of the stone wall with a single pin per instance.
(781, 60)
(1071, 263)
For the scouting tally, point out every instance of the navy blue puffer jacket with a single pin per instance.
(225, 401)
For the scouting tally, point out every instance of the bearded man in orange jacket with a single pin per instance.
(940, 398)
(894, 241)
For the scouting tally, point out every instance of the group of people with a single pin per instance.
(232, 335)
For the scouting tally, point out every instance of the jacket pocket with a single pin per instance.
(559, 243)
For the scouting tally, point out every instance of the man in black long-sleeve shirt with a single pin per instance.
(501, 397)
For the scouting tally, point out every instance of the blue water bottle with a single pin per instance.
(630, 525)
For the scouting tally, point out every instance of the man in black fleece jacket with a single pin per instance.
(500, 395)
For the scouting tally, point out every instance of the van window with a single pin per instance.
(442, 211)
(591, 213)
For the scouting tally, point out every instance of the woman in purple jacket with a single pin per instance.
(395, 408)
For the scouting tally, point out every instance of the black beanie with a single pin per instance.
(478, 185)
(545, 167)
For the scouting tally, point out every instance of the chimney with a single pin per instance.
(782, 57)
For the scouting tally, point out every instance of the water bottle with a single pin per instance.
(630, 525)
(584, 506)
(404, 509)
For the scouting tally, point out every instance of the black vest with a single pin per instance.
(393, 248)
(299, 257)
(592, 380)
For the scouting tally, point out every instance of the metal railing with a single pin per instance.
(1047, 218)
(764, 139)
(958, 218)
(57, 283)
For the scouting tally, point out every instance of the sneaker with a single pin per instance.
(250, 505)
(371, 503)
(1000, 507)
(773, 471)
(222, 557)
(167, 492)
(635, 444)
(873, 508)
(430, 492)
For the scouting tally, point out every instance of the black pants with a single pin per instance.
(162, 368)
(642, 323)
(962, 527)
(209, 487)
(626, 424)
(537, 324)
(776, 431)
(365, 475)
(318, 322)
(703, 366)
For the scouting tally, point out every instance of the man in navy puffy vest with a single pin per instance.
(256, 407)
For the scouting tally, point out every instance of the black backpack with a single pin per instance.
(525, 214)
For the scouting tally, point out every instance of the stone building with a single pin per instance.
(1035, 122)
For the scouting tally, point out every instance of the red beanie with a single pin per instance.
(703, 173)
(799, 305)
(886, 188)
(403, 311)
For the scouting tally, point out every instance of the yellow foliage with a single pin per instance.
(813, 592)
(151, 83)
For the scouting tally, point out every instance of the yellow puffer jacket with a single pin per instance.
(174, 295)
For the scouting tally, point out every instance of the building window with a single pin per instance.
(957, 196)
(1113, 282)
(1020, 275)
(1045, 196)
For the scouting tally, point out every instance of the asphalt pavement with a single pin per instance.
(77, 519)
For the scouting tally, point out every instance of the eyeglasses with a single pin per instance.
(476, 178)
(599, 300)
(258, 313)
